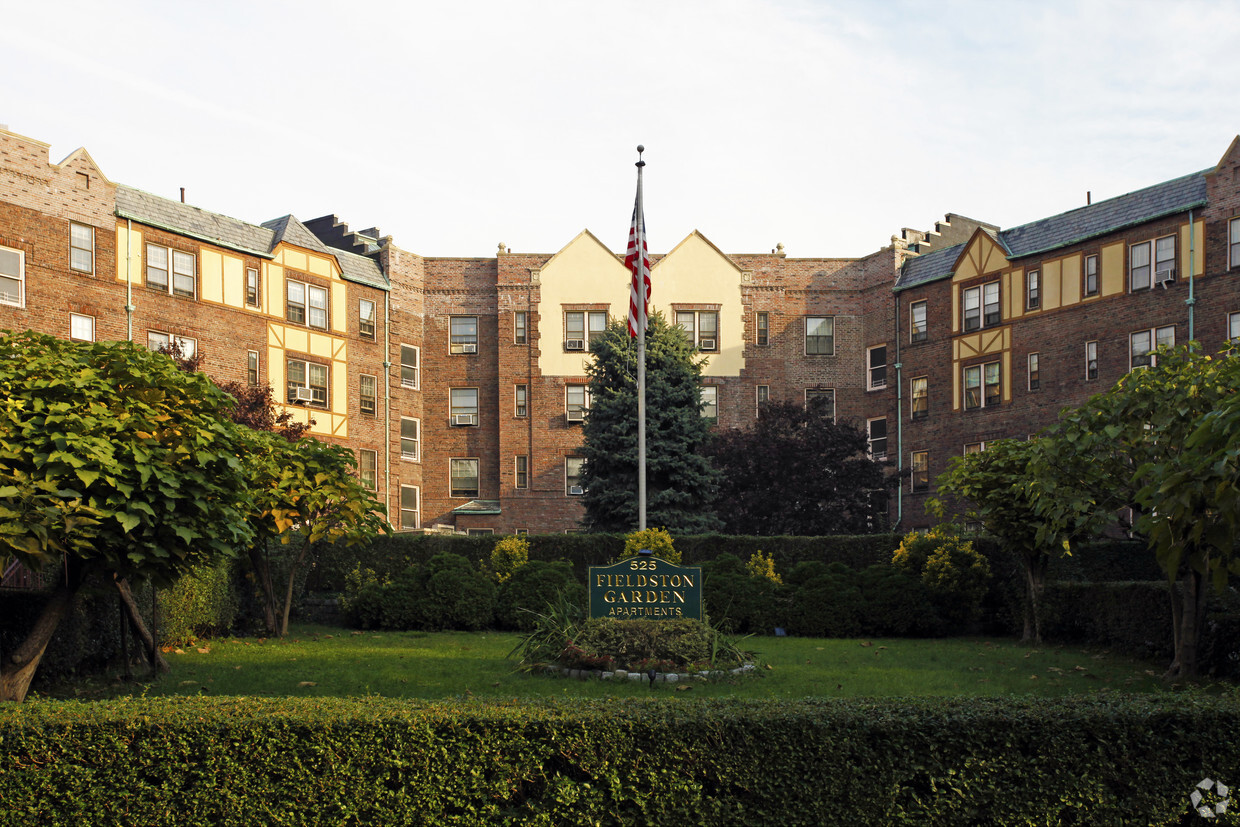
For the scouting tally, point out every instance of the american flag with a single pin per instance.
(639, 266)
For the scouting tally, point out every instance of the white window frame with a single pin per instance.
(1156, 260)
(1091, 361)
(308, 368)
(973, 448)
(913, 395)
(174, 268)
(521, 472)
(521, 400)
(8, 257)
(81, 327)
(762, 328)
(1090, 272)
(461, 339)
(822, 393)
(1233, 327)
(253, 287)
(984, 372)
(576, 398)
(459, 405)
(410, 439)
(363, 396)
(1033, 290)
(762, 395)
(363, 318)
(362, 455)
(710, 402)
(584, 326)
(253, 365)
(155, 339)
(410, 518)
(1233, 243)
(1033, 372)
(307, 311)
(870, 439)
(919, 478)
(828, 321)
(76, 247)
(462, 462)
(984, 312)
(918, 331)
(520, 327)
(871, 383)
(690, 321)
(568, 478)
(1154, 338)
(410, 375)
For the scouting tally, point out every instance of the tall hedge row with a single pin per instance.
(242, 761)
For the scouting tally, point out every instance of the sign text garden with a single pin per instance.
(645, 587)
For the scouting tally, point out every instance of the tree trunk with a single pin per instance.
(18, 668)
(288, 595)
(139, 625)
(1192, 613)
(262, 577)
(1035, 583)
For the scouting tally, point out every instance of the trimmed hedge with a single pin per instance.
(1115, 760)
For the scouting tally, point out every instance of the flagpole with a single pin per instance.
(641, 349)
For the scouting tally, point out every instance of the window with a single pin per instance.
(572, 476)
(463, 334)
(81, 247)
(1233, 327)
(764, 396)
(763, 327)
(12, 276)
(521, 532)
(974, 448)
(168, 343)
(367, 393)
(576, 402)
(184, 271)
(819, 335)
(410, 441)
(821, 399)
(1140, 268)
(81, 328)
(981, 386)
(1141, 345)
(251, 366)
(479, 532)
(522, 475)
(1091, 360)
(1035, 380)
(920, 477)
(366, 318)
(522, 400)
(876, 367)
(464, 477)
(981, 306)
(409, 517)
(710, 403)
(701, 326)
(408, 366)
(583, 327)
(1233, 243)
(1033, 290)
(920, 395)
(307, 304)
(519, 332)
(876, 436)
(464, 406)
(251, 287)
(917, 322)
(1091, 275)
(307, 382)
(368, 469)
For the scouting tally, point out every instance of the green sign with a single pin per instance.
(646, 587)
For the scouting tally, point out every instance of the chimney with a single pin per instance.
(182, 195)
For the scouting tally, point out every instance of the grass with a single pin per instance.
(329, 661)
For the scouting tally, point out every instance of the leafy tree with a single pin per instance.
(680, 481)
(1163, 441)
(797, 472)
(993, 489)
(112, 463)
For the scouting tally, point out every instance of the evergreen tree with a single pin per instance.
(681, 484)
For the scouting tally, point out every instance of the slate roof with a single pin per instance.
(1081, 224)
(479, 507)
(213, 228)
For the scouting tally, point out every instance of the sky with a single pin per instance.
(825, 126)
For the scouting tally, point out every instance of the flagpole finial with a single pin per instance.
(640, 150)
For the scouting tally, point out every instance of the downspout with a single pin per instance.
(899, 421)
(1192, 250)
(129, 308)
(387, 402)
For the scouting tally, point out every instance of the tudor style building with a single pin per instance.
(461, 383)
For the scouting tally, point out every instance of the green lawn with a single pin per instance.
(329, 661)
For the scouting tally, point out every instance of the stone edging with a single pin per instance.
(664, 677)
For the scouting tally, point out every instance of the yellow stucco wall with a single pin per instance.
(280, 340)
(129, 248)
(584, 272)
(696, 272)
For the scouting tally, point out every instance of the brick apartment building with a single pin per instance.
(460, 383)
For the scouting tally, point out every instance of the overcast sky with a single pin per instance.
(827, 125)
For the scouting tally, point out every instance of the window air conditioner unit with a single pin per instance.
(1164, 276)
(463, 419)
(305, 395)
(576, 489)
(576, 416)
(706, 344)
(575, 344)
(469, 347)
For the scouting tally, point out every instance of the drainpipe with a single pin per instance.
(387, 402)
(899, 421)
(129, 308)
(1192, 250)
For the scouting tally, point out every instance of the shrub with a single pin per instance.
(509, 555)
(362, 602)
(896, 604)
(740, 604)
(657, 540)
(955, 574)
(642, 644)
(531, 589)
(454, 595)
(829, 605)
(199, 604)
(763, 567)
